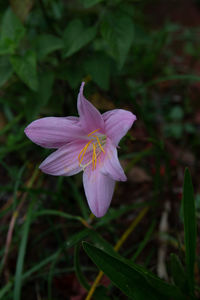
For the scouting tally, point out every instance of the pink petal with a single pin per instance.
(63, 161)
(111, 165)
(90, 117)
(117, 123)
(99, 191)
(52, 132)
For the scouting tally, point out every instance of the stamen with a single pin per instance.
(94, 157)
(93, 131)
(99, 143)
(83, 150)
(80, 154)
(93, 160)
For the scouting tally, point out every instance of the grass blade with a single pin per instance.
(21, 255)
(190, 229)
(178, 273)
(73, 240)
(78, 271)
(144, 241)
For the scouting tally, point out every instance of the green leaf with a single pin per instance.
(52, 212)
(117, 30)
(99, 68)
(51, 272)
(21, 255)
(90, 3)
(46, 44)
(100, 293)
(168, 291)
(5, 289)
(78, 270)
(12, 31)
(178, 273)
(101, 243)
(176, 113)
(25, 67)
(190, 228)
(21, 8)
(152, 283)
(122, 275)
(6, 70)
(76, 36)
(46, 80)
(175, 130)
(36, 100)
(189, 128)
(189, 77)
(72, 73)
(72, 240)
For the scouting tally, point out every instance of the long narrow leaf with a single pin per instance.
(190, 229)
(123, 276)
(144, 241)
(78, 271)
(135, 281)
(21, 256)
(178, 273)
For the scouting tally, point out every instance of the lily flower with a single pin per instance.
(86, 143)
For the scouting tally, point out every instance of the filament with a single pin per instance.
(94, 157)
(98, 141)
(93, 132)
(83, 150)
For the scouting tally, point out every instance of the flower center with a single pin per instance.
(93, 148)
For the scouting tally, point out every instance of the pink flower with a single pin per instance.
(86, 143)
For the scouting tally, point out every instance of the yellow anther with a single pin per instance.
(93, 131)
(93, 160)
(94, 157)
(98, 141)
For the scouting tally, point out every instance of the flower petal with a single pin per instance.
(111, 165)
(117, 123)
(90, 117)
(63, 161)
(99, 191)
(53, 132)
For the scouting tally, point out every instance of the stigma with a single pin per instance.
(91, 152)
